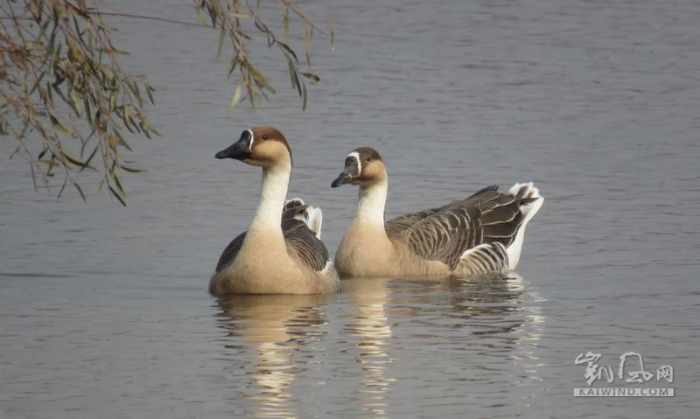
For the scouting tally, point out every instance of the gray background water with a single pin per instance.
(104, 310)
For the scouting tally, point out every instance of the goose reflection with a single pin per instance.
(464, 321)
(275, 328)
(493, 325)
(369, 323)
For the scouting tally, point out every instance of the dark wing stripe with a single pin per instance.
(230, 252)
(311, 251)
(290, 225)
(499, 215)
(445, 233)
(504, 230)
(399, 225)
(442, 236)
(486, 259)
(492, 188)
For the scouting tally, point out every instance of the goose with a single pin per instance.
(281, 253)
(479, 235)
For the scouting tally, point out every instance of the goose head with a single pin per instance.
(264, 147)
(363, 167)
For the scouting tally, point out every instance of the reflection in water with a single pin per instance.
(461, 320)
(276, 327)
(370, 324)
(483, 306)
(496, 317)
(450, 332)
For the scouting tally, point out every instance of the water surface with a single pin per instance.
(104, 310)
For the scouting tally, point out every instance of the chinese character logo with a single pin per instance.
(593, 370)
(632, 360)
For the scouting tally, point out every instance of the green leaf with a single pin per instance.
(65, 181)
(222, 35)
(31, 168)
(332, 39)
(76, 162)
(116, 195)
(118, 183)
(87, 162)
(200, 18)
(88, 114)
(146, 126)
(312, 78)
(288, 50)
(295, 78)
(236, 98)
(149, 92)
(130, 169)
(303, 97)
(113, 51)
(269, 89)
(285, 20)
(135, 90)
(121, 140)
(80, 191)
(59, 127)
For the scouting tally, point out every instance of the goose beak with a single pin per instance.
(342, 179)
(240, 150)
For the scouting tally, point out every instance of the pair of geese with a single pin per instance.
(282, 253)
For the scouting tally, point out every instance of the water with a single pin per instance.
(104, 310)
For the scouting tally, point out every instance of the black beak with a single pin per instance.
(240, 150)
(342, 179)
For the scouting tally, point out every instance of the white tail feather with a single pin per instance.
(312, 216)
(315, 220)
(523, 191)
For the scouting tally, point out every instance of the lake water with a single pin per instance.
(104, 310)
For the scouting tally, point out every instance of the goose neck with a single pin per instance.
(275, 182)
(371, 204)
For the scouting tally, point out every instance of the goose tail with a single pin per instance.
(530, 202)
(310, 215)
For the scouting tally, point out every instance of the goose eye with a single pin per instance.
(368, 159)
(348, 161)
(265, 137)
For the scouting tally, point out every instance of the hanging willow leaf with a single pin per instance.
(314, 79)
(236, 98)
(220, 46)
(130, 169)
(303, 97)
(285, 20)
(116, 195)
(332, 39)
(228, 15)
(296, 84)
(288, 50)
(62, 80)
(80, 191)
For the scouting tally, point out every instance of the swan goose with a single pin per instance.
(281, 253)
(479, 235)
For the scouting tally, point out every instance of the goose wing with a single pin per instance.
(303, 241)
(399, 225)
(300, 238)
(295, 230)
(230, 252)
(485, 217)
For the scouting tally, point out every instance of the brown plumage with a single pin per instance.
(296, 233)
(281, 253)
(481, 234)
